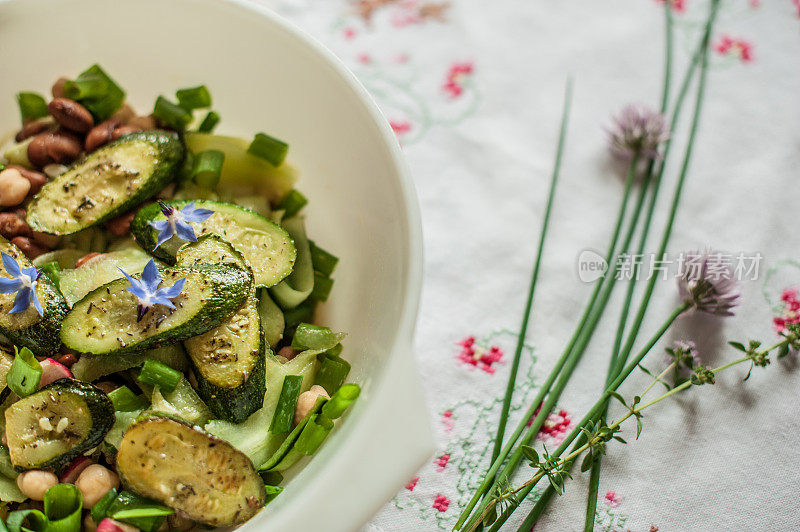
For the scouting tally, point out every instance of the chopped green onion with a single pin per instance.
(62, 512)
(292, 203)
(322, 287)
(194, 98)
(124, 400)
(149, 519)
(335, 350)
(272, 492)
(171, 114)
(158, 374)
(287, 402)
(31, 106)
(332, 372)
(308, 336)
(207, 168)
(2, 167)
(209, 122)
(97, 92)
(100, 508)
(302, 312)
(323, 261)
(86, 86)
(25, 373)
(52, 270)
(271, 478)
(339, 401)
(268, 148)
(185, 172)
(313, 435)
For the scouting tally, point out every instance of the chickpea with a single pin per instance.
(34, 484)
(94, 482)
(307, 400)
(13, 187)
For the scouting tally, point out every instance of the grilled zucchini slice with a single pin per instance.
(189, 470)
(229, 360)
(53, 426)
(266, 246)
(107, 183)
(40, 334)
(104, 321)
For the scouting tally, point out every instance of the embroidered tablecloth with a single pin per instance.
(474, 91)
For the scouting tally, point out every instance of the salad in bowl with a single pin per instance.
(160, 368)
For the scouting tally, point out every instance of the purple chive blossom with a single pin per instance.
(147, 290)
(706, 280)
(685, 353)
(637, 130)
(23, 282)
(177, 222)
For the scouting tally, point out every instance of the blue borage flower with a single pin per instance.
(177, 222)
(23, 282)
(147, 290)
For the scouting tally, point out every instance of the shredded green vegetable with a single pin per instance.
(25, 373)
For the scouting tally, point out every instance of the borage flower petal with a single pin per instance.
(23, 281)
(147, 290)
(177, 222)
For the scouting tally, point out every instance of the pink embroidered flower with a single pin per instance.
(755, 4)
(679, 6)
(349, 34)
(441, 503)
(447, 420)
(412, 484)
(727, 45)
(555, 427)
(475, 355)
(456, 79)
(612, 499)
(441, 462)
(796, 4)
(364, 59)
(791, 310)
(400, 127)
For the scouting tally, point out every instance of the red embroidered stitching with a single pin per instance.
(728, 45)
(456, 78)
(477, 356)
(441, 462)
(412, 484)
(612, 499)
(441, 503)
(791, 310)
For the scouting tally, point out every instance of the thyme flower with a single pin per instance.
(177, 222)
(706, 281)
(147, 291)
(23, 281)
(637, 130)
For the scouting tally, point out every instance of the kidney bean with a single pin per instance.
(71, 114)
(12, 225)
(58, 88)
(33, 127)
(37, 179)
(100, 135)
(144, 123)
(124, 130)
(60, 147)
(68, 360)
(28, 247)
(121, 225)
(45, 240)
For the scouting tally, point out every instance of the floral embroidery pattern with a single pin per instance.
(403, 12)
(479, 356)
(679, 6)
(729, 46)
(441, 462)
(790, 313)
(555, 427)
(457, 77)
(447, 421)
(612, 499)
(441, 503)
(607, 518)
(412, 484)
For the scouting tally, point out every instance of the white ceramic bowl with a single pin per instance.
(265, 75)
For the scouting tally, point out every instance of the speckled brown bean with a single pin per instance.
(45, 240)
(11, 225)
(60, 147)
(33, 127)
(58, 88)
(124, 130)
(37, 179)
(68, 360)
(121, 225)
(28, 247)
(100, 135)
(145, 123)
(71, 114)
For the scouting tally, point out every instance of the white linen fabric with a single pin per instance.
(474, 91)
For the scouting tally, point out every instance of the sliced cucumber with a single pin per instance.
(97, 271)
(51, 427)
(66, 258)
(90, 368)
(6, 359)
(228, 360)
(265, 245)
(242, 171)
(107, 183)
(189, 470)
(272, 322)
(182, 402)
(105, 320)
(40, 334)
(298, 285)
